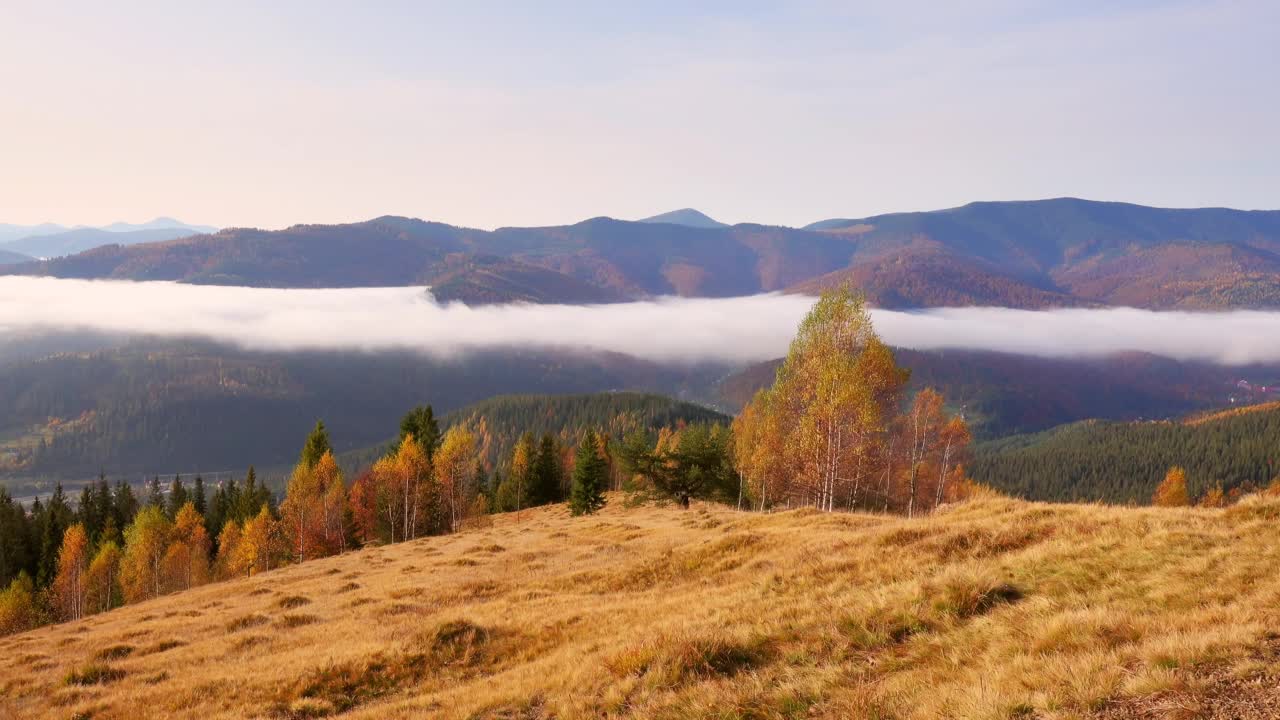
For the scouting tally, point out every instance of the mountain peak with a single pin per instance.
(687, 217)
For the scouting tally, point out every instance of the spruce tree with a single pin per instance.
(420, 422)
(87, 512)
(105, 506)
(316, 446)
(586, 496)
(124, 504)
(198, 496)
(177, 497)
(547, 473)
(57, 518)
(155, 496)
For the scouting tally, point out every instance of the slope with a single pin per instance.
(1202, 258)
(991, 609)
(156, 407)
(1123, 462)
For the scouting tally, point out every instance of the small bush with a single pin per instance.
(94, 674)
(455, 642)
(163, 646)
(115, 652)
(292, 621)
(246, 622)
(349, 587)
(290, 602)
(677, 661)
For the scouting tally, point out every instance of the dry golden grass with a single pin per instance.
(990, 609)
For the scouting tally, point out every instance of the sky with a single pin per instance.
(731, 330)
(490, 114)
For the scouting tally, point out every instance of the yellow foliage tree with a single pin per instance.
(454, 464)
(259, 543)
(17, 606)
(231, 560)
(103, 579)
(1172, 491)
(145, 543)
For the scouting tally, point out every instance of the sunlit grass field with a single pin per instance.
(992, 608)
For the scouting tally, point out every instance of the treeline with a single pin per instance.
(832, 432)
(499, 423)
(58, 563)
(1124, 462)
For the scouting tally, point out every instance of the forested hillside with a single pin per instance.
(1003, 394)
(1048, 253)
(500, 421)
(1124, 462)
(153, 407)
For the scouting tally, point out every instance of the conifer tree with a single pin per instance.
(547, 473)
(105, 508)
(124, 504)
(56, 518)
(420, 423)
(198, 496)
(15, 539)
(316, 446)
(177, 497)
(155, 496)
(590, 474)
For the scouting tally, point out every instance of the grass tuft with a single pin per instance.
(93, 674)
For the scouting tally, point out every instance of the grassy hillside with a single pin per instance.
(1123, 462)
(990, 609)
(1063, 252)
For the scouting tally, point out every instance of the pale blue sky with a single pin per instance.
(492, 114)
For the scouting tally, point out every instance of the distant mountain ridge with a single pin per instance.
(51, 240)
(687, 217)
(1030, 254)
(12, 258)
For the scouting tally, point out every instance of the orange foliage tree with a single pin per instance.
(1172, 491)
(70, 586)
(186, 562)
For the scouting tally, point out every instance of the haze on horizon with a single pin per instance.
(519, 114)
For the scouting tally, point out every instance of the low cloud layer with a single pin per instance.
(741, 329)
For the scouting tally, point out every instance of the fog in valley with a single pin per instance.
(741, 329)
